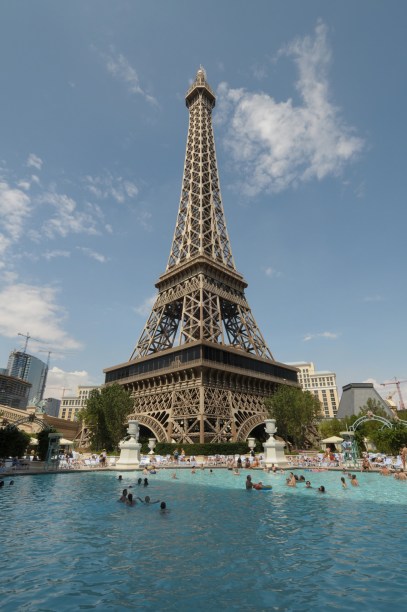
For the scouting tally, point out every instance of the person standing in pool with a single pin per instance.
(163, 508)
(123, 497)
(130, 501)
(249, 484)
(354, 481)
(343, 481)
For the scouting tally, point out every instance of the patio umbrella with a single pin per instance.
(65, 442)
(332, 440)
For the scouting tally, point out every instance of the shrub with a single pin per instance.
(13, 441)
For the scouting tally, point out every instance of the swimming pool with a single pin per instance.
(67, 544)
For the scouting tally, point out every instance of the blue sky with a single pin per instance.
(310, 133)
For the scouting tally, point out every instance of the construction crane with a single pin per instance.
(27, 338)
(397, 383)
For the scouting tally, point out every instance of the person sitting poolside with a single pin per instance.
(147, 500)
(123, 496)
(130, 501)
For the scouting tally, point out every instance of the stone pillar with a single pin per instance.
(273, 449)
(130, 448)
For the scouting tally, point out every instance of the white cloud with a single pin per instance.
(329, 335)
(279, 144)
(34, 161)
(111, 187)
(145, 308)
(24, 185)
(271, 272)
(373, 298)
(93, 254)
(35, 308)
(144, 218)
(67, 218)
(121, 69)
(15, 207)
(56, 253)
(61, 382)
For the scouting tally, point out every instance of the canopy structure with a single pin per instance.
(65, 442)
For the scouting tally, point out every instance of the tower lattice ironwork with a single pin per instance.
(201, 368)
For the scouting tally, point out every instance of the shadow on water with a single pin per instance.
(67, 543)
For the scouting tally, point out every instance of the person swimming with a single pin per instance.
(163, 508)
(321, 489)
(145, 482)
(147, 500)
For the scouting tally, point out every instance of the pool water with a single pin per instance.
(66, 543)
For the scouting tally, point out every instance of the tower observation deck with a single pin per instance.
(201, 368)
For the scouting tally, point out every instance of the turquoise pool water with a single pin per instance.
(66, 544)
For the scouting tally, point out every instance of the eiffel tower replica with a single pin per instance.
(201, 369)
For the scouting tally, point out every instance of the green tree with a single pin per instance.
(296, 413)
(43, 442)
(106, 415)
(390, 441)
(13, 442)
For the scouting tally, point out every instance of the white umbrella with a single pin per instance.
(332, 440)
(65, 442)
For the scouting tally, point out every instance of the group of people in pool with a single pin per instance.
(294, 479)
(2, 483)
(129, 500)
